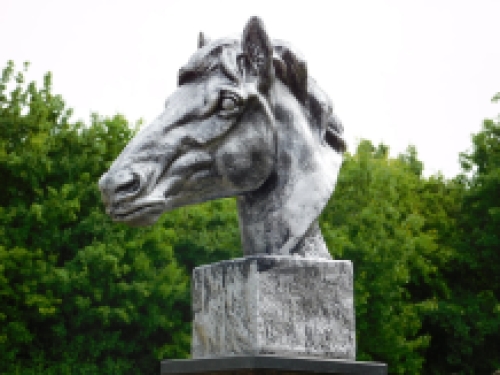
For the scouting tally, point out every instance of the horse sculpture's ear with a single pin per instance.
(202, 40)
(259, 52)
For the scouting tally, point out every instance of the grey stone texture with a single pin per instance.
(248, 121)
(283, 305)
(270, 365)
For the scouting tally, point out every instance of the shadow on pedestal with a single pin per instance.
(270, 365)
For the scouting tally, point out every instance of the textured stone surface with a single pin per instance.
(270, 365)
(247, 120)
(274, 305)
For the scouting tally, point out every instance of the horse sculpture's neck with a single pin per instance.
(281, 217)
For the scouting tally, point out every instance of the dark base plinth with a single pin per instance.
(270, 365)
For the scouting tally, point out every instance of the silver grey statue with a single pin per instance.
(247, 121)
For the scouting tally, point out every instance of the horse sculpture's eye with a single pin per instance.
(229, 104)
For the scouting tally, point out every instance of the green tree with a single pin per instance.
(79, 294)
(375, 220)
(441, 205)
(205, 233)
(410, 159)
(468, 323)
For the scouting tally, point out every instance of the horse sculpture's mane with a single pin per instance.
(290, 68)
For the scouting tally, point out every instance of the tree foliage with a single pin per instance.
(468, 323)
(79, 293)
(82, 295)
(375, 219)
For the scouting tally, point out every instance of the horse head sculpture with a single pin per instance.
(245, 121)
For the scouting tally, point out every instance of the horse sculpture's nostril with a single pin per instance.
(129, 187)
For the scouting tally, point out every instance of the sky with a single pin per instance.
(399, 72)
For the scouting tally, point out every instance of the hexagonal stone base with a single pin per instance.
(270, 365)
(278, 305)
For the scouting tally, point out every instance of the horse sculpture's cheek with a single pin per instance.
(246, 165)
(246, 173)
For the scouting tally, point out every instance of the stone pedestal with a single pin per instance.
(270, 365)
(281, 305)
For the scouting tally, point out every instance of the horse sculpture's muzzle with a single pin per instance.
(119, 187)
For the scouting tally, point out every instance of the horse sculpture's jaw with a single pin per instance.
(246, 121)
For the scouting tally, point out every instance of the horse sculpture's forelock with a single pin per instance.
(290, 68)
